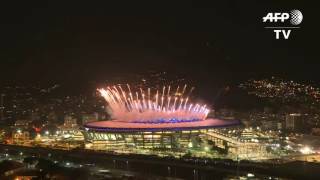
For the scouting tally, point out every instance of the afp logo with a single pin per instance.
(294, 18)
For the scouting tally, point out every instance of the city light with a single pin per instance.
(286, 91)
(306, 150)
(206, 148)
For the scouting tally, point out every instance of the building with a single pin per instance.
(169, 137)
(70, 129)
(271, 125)
(22, 123)
(20, 137)
(247, 133)
(172, 135)
(242, 148)
(69, 121)
(294, 122)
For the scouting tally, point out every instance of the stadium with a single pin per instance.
(165, 120)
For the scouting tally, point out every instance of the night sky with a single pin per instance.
(215, 44)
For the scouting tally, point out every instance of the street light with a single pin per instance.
(194, 174)
(127, 164)
(306, 150)
(250, 175)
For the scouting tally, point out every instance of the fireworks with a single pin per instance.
(168, 104)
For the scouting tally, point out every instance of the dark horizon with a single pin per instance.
(211, 45)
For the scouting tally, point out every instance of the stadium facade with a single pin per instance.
(174, 135)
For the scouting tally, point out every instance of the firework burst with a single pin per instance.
(164, 105)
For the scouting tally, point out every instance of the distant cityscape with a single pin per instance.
(34, 117)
